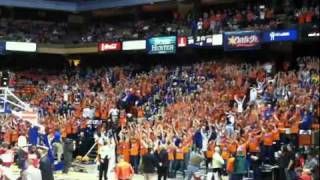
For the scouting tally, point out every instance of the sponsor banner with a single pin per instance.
(200, 41)
(182, 41)
(134, 45)
(313, 35)
(2, 47)
(217, 39)
(241, 40)
(206, 41)
(21, 46)
(162, 45)
(310, 34)
(109, 46)
(282, 35)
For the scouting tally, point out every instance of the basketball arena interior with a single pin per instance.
(159, 89)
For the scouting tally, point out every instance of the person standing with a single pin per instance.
(289, 171)
(5, 172)
(163, 159)
(31, 172)
(256, 162)
(134, 154)
(68, 148)
(124, 170)
(217, 164)
(239, 165)
(179, 159)
(45, 166)
(149, 165)
(194, 164)
(103, 159)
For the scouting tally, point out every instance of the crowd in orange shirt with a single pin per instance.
(181, 108)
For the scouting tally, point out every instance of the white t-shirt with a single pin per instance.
(199, 25)
(114, 112)
(88, 113)
(31, 173)
(253, 94)
(22, 141)
(65, 96)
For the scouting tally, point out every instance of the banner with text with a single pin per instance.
(21, 46)
(109, 46)
(282, 35)
(182, 41)
(162, 45)
(242, 40)
(310, 33)
(134, 45)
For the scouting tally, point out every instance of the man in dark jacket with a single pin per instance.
(149, 165)
(163, 163)
(45, 166)
(68, 148)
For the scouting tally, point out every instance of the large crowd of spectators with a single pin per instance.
(215, 20)
(32, 31)
(232, 117)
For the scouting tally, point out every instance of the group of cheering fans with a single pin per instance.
(216, 117)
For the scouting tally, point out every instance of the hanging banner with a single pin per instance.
(134, 45)
(282, 35)
(182, 41)
(241, 40)
(162, 45)
(310, 33)
(109, 46)
(21, 46)
(200, 41)
(217, 39)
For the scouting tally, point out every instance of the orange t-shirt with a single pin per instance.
(7, 137)
(179, 154)
(295, 128)
(143, 150)
(124, 171)
(233, 147)
(210, 150)
(230, 164)
(14, 136)
(126, 151)
(267, 139)
(276, 134)
(170, 153)
(63, 132)
(68, 128)
(119, 148)
(134, 150)
(225, 154)
(253, 144)
(122, 121)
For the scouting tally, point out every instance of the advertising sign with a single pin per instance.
(241, 40)
(310, 33)
(134, 45)
(217, 39)
(109, 46)
(162, 45)
(200, 41)
(182, 41)
(277, 36)
(21, 46)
